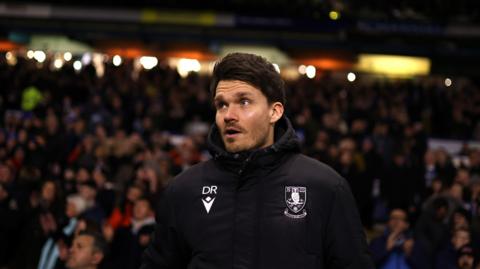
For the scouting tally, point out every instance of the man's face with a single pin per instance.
(460, 238)
(83, 254)
(465, 262)
(141, 210)
(87, 192)
(244, 117)
(398, 221)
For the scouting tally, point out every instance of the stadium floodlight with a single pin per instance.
(186, 66)
(40, 56)
(58, 63)
(67, 56)
(117, 60)
(11, 58)
(98, 62)
(302, 69)
(393, 65)
(148, 62)
(30, 54)
(311, 71)
(77, 65)
(351, 76)
(448, 82)
(86, 58)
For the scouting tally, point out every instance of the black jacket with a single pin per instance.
(249, 224)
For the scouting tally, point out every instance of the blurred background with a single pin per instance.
(102, 104)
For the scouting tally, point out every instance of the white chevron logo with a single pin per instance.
(208, 202)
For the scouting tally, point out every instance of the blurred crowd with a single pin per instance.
(79, 152)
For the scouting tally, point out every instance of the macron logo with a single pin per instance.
(208, 202)
(209, 193)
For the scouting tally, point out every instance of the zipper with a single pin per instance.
(241, 181)
(239, 184)
(257, 229)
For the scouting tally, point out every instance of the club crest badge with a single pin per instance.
(295, 198)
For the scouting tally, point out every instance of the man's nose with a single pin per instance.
(231, 114)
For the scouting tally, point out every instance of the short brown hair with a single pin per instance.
(99, 242)
(252, 69)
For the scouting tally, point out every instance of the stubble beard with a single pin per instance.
(245, 145)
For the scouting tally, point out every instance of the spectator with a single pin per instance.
(51, 249)
(87, 251)
(10, 218)
(466, 257)
(130, 242)
(94, 211)
(429, 174)
(105, 190)
(45, 209)
(432, 226)
(122, 215)
(446, 170)
(396, 247)
(398, 185)
(447, 256)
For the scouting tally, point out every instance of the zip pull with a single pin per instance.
(244, 165)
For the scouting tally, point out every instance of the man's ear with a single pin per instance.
(276, 112)
(97, 257)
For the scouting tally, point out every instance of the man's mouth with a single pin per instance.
(231, 132)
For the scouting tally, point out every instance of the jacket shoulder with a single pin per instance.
(315, 173)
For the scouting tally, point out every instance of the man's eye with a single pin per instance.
(245, 102)
(220, 105)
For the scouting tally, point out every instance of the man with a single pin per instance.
(466, 257)
(258, 203)
(396, 248)
(88, 190)
(50, 253)
(446, 258)
(130, 242)
(87, 251)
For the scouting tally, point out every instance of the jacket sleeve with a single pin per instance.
(345, 243)
(167, 249)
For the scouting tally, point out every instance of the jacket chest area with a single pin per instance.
(247, 217)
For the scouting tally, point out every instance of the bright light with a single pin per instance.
(310, 71)
(186, 66)
(98, 63)
(334, 15)
(302, 69)
(351, 77)
(86, 59)
(277, 68)
(30, 54)
(67, 56)
(117, 60)
(9, 55)
(148, 62)
(58, 63)
(448, 82)
(40, 56)
(77, 65)
(393, 65)
(11, 59)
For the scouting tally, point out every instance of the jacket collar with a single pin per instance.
(286, 141)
